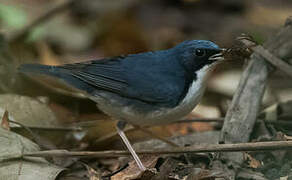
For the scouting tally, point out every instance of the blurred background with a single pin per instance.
(77, 31)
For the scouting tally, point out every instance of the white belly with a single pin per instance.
(157, 116)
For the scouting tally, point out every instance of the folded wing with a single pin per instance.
(144, 77)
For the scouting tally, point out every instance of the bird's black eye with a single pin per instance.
(200, 52)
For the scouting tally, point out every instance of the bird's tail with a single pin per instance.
(57, 72)
(39, 69)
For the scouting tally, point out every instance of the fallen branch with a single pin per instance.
(156, 136)
(258, 146)
(279, 63)
(40, 128)
(243, 111)
(221, 121)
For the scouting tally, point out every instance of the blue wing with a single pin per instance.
(102, 74)
(149, 77)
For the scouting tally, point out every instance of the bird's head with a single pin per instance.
(197, 54)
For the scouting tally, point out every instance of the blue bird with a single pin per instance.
(142, 89)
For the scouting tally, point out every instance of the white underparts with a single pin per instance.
(162, 115)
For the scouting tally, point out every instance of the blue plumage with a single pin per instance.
(142, 89)
(160, 78)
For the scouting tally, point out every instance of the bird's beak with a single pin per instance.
(218, 56)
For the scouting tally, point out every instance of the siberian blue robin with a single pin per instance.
(142, 89)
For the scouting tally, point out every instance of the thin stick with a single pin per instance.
(207, 120)
(50, 128)
(156, 136)
(219, 120)
(258, 146)
(113, 134)
(279, 63)
(34, 136)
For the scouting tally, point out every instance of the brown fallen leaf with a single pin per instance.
(13, 145)
(253, 163)
(5, 121)
(133, 171)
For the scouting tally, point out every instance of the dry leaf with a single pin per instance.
(253, 163)
(13, 145)
(28, 111)
(31, 112)
(133, 171)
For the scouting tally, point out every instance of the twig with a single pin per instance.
(50, 128)
(156, 136)
(207, 120)
(258, 146)
(37, 139)
(33, 135)
(131, 129)
(220, 120)
(279, 63)
(44, 17)
(113, 134)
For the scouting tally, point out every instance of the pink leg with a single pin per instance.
(120, 126)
